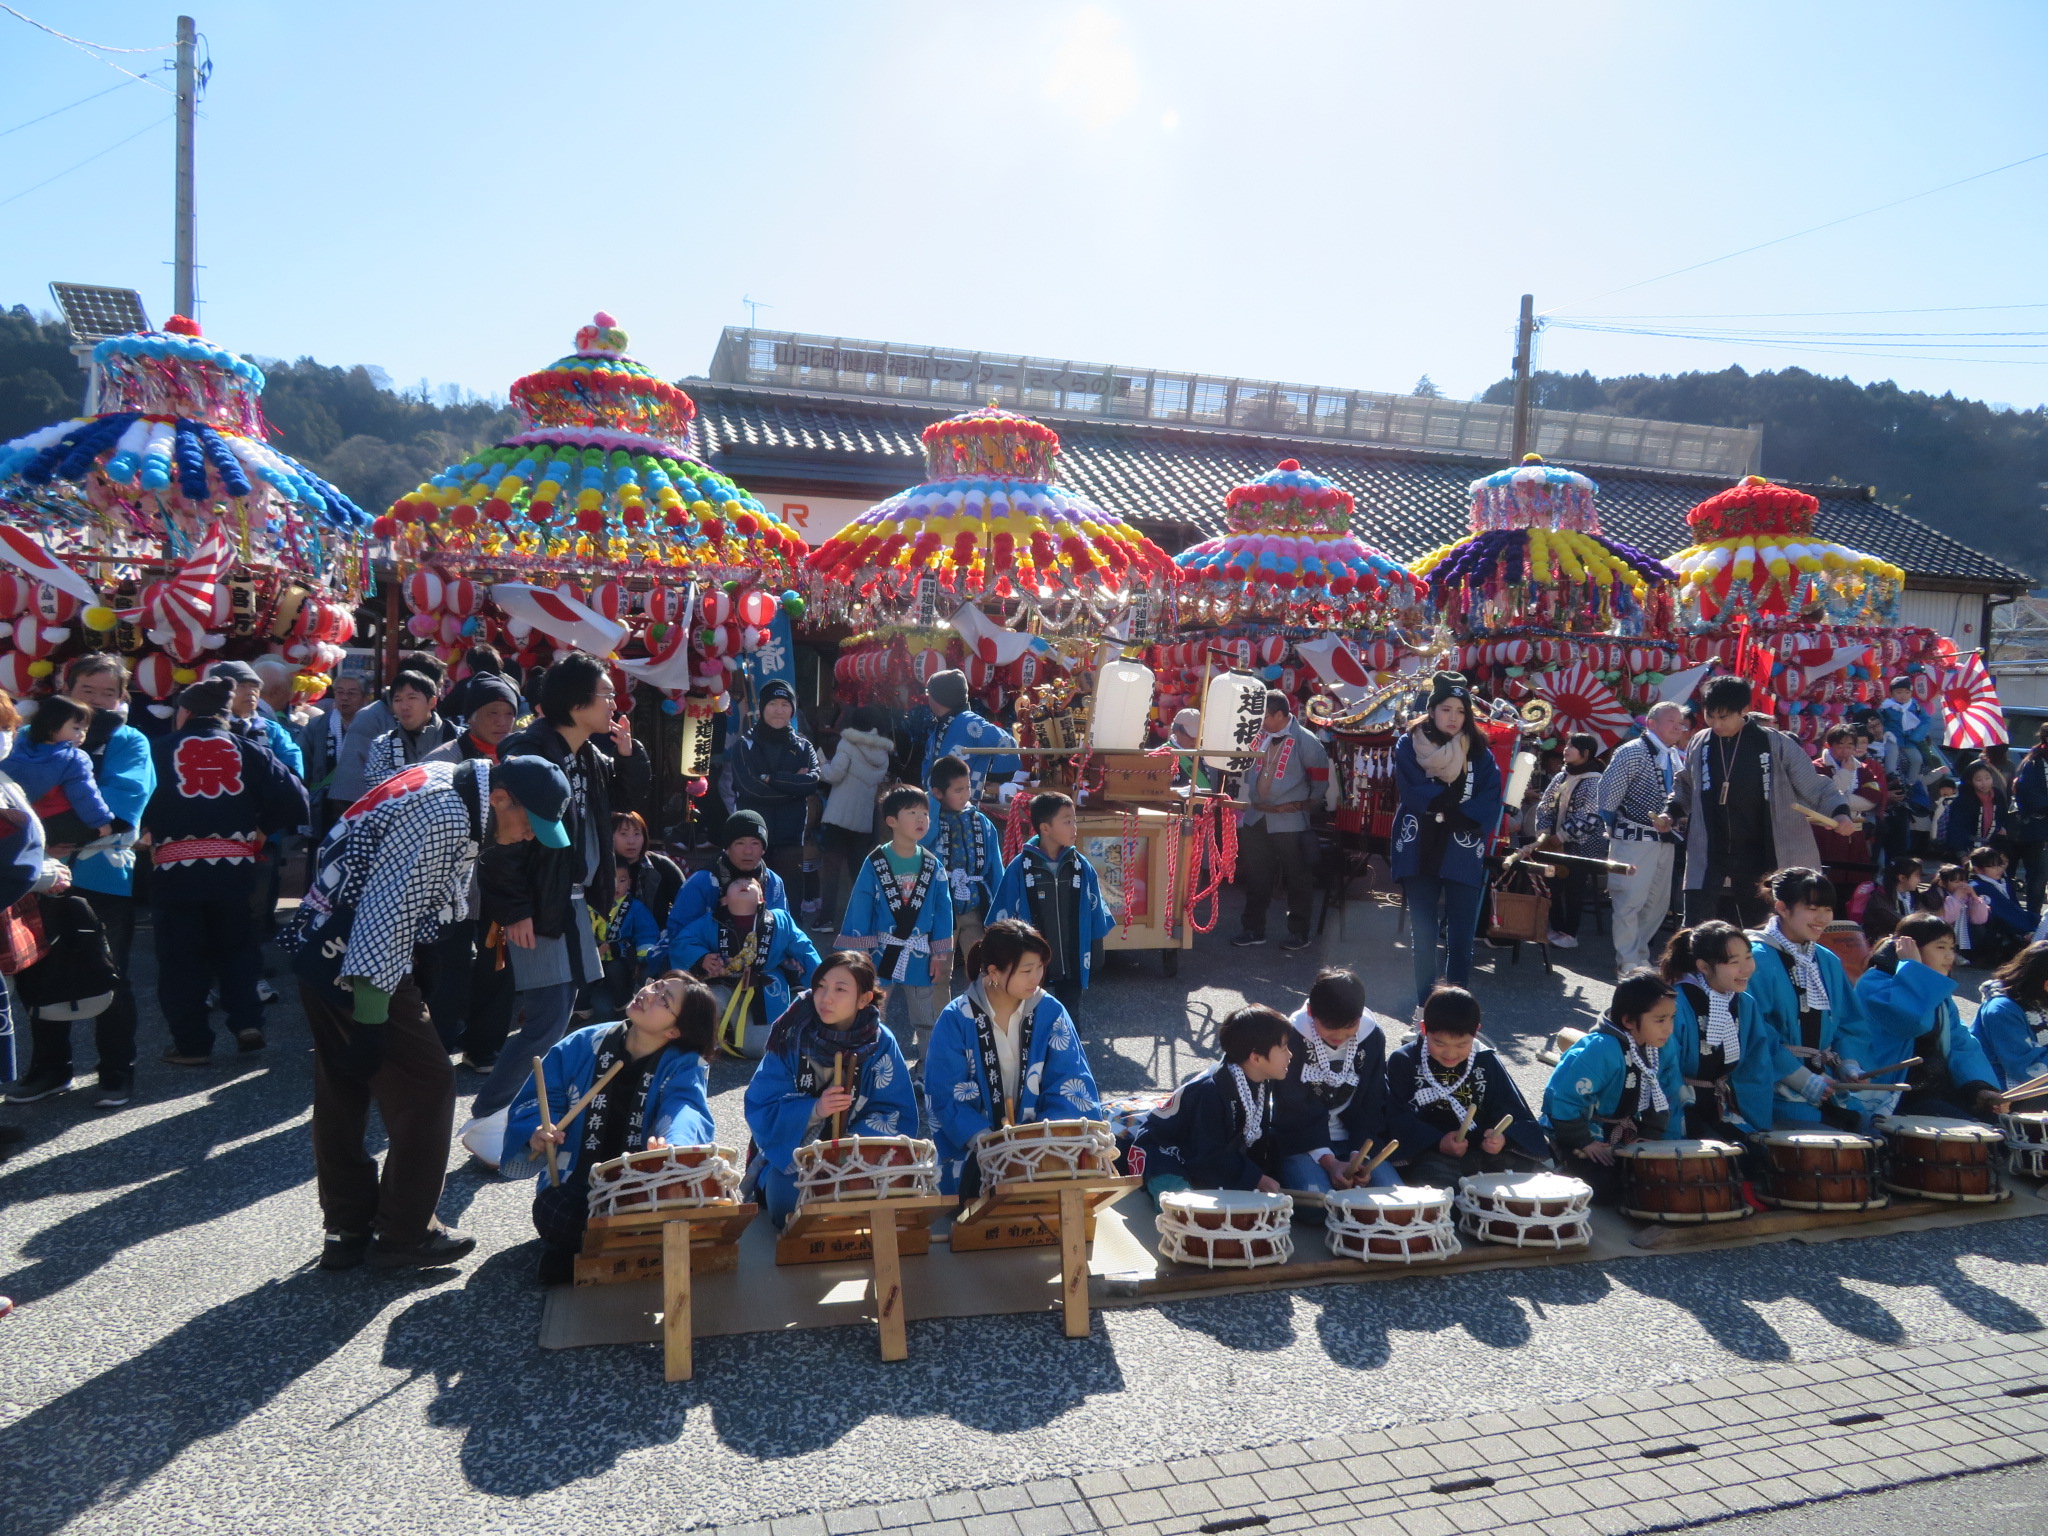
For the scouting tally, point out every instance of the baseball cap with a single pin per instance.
(540, 787)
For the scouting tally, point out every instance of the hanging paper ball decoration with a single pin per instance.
(1755, 553)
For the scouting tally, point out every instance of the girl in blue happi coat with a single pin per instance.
(1910, 999)
(2012, 1019)
(791, 1100)
(1729, 1056)
(714, 946)
(1003, 1052)
(1619, 1083)
(1805, 996)
(657, 1099)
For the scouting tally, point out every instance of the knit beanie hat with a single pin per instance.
(1450, 685)
(743, 824)
(948, 690)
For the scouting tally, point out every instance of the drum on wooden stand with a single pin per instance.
(1407, 1224)
(1226, 1228)
(866, 1168)
(663, 1178)
(2026, 1143)
(1042, 1150)
(1932, 1158)
(1680, 1181)
(1526, 1210)
(1824, 1170)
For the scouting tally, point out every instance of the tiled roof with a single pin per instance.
(1171, 480)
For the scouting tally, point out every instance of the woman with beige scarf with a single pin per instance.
(1450, 798)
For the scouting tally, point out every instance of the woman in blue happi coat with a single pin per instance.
(1727, 1053)
(1450, 799)
(1910, 999)
(2012, 1018)
(1003, 1052)
(791, 1100)
(1805, 996)
(711, 946)
(657, 1099)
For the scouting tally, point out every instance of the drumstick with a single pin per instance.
(1501, 1129)
(1818, 818)
(1009, 1109)
(1358, 1157)
(596, 1088)
(2032, 1088)
(1386, 1152)
(838, 1073)
(1910, 1061)
(1465, 1120)
(547, 1119)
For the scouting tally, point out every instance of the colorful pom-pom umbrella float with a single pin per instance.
(990, 526)
(601, 479)
(1290, 556)
(166, 506)
(1755, 554)
(1536, 558)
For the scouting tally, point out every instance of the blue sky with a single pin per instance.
(1344, 193)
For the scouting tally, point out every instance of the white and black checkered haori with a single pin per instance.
(403, 865)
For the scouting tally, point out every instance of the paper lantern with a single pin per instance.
(1271, 649)
(14, 594)
(424, 591)
(14, 674)
(757, 608)
(609, 599)
(155, 675)
(462, 597)
(55, 604)
(717, 607)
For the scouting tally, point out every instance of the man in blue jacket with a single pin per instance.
(219, 798)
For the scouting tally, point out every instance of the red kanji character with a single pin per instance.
(209, 766)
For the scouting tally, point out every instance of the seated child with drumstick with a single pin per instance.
(1216, 1131)
(743, 945)
(1004, 1052)
(1803, 993)
(831, 1069)
(1617, 1084)
(649, 1074)
(1727, 1053)
(1452, 1105)
(1332, 1105)
(1909, 999)
(2012, 1019)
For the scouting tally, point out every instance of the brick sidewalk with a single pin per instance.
(1678, 1456)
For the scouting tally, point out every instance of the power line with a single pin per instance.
(95, 96)
(1845, 338)
(1825, 348)
(1818, 314)
(90, 50)
(1814, 229)
(88, 160)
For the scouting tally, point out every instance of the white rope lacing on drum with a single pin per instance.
(825, 1168)
(1046, 1149)
(708, 1173)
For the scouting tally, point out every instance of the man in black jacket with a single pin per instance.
(539, 896)
(775, 774)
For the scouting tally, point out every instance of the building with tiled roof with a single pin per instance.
(819, 456)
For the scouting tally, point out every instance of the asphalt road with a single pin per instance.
(174, 1364)
(2012, 1503)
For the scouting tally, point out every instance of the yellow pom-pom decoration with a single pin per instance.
(183, 675)
(99, 619)
(41, 668)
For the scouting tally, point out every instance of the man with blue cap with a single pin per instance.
(395, 868)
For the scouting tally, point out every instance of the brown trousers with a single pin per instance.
(414, 1091)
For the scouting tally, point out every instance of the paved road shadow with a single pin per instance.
(1356, 1323)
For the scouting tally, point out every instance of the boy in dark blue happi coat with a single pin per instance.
(1909, 998)
(1446, 1093)
(1217, 1130)
(833, 1030)
(1003, 1052)
(1052, 886)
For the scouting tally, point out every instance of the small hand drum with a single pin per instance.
(661, 1178)
(1226, 1228)
(1824, 1170)
(866, 1168)
(1043, 1150)
(1404, 1225)
(1680, 1182)
(1932, 1158)
(1526, 1210)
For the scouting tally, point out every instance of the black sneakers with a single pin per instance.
(247, 1040)
(116, 1089)
(39, 1085)
(344, 1250)
(1248, 941)
(441, 1247)
(1294, 943)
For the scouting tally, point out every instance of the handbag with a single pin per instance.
(1520, 914)
(22, 942)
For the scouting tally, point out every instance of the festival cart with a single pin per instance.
(163, 526)
(595, 526)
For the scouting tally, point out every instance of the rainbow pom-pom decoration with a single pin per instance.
(1290, 554)
(990, 524)
(600, 478)
(1755, 554)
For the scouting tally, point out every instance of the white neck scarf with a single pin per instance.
(1324, 1066)
(1428, 1090)
(1805, 968)
(1650, 1095)
(1719, 1032)
(1253, 1098)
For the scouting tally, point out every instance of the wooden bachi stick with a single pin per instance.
(596, 1088)
(547, 1120)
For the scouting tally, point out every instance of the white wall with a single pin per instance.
(817, 518)
(1955, 614)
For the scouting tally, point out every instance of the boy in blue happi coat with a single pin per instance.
(1052, 886)
(657, 1099)
(970, 851)
(901, 913)
(2012, 1018)
(1727, 1053)
(627, 938)
(1910, 1000)
(1805, 996)
(833, 1030)
(1333, 1099)
(1004, 1052)
(1216, 1131)
(1997, 941)
(744, 945)
(1447, 1092)
(1619, 1083)
(955, 725)
(743, 850)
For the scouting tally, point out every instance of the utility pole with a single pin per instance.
(185, 301)
(1525, 332)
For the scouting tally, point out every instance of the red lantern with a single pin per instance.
(424, 591)
(461, 597)
(609, 599)
(35, 637)
(717, 607)
(757, 608)
(55, 604)
(155, 675)
(14, 594)
(14, 674)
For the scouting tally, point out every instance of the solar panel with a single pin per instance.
(93, 312)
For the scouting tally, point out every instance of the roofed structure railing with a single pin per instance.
(950, 376)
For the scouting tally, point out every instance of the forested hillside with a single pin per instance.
(1974, 472)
